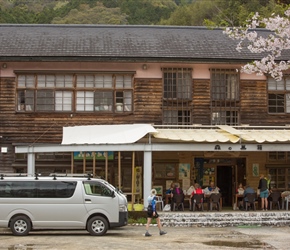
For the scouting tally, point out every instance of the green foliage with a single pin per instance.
(147, 12)
(95, 15)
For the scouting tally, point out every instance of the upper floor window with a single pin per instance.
(225, 117)
(177, 84)
(224, 97)
(177, 96)
(224, 84)
(279, 95)
(176, 117)
(75, 93)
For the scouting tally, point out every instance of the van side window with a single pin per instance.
(37, 189)
(96, 188)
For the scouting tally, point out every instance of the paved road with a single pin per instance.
(132, 237)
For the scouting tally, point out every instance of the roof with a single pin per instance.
(110, 42)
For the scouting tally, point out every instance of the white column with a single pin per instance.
(31, 164)
(147, 175)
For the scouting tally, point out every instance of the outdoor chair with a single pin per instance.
(178, 201)
(287, 200)
(251, 201)
(214, 199)
(274, 200)
(159, 200)
(197, 202)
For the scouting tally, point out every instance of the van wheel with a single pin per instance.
(20, 226)
(97, 226)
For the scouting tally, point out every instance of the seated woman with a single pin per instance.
(176, 191)
(170, 189)
(240, 191)
(169, 192)
(197, 190)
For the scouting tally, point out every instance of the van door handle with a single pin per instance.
(87, 200)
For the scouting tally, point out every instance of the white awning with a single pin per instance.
(105, 134)
(196, 135)
(271, 135)
(224, 135)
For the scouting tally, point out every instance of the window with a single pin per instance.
(278, 156)
(177, 84)
(224, 97)
(97, 189)
(75, 93)
(177, 96)
(279, 169)
(280, 177)
(224, 84)
(225, 117)
(279, 95)
(177, 117)
(37, 189)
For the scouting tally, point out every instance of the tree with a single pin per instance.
(272, 46)
(96, 15)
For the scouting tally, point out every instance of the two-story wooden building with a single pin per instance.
(141, 106)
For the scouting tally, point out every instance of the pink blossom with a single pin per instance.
(274, 44)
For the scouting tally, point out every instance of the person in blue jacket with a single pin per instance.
(152, 213)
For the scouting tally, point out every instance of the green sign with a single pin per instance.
(100, 155)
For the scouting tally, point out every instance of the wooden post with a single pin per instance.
(119, 169)
(72, 163)
(133, 178)
(106, 167)
(84, 163)
(94, 164)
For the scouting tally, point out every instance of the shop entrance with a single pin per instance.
(225, 180)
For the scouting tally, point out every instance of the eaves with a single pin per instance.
(121, 59)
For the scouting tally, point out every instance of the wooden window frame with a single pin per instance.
(278, 95)
(177, 96)
(65, 89)
(225, 97)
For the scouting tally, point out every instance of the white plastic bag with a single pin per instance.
(167, 208)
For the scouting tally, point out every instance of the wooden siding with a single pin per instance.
(148, 101)
(254, 106)
(201, 102)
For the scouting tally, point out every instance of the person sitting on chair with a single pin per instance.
(197, 190)
(240, 191)
(248, 190)
(176, 191)
(211, 188)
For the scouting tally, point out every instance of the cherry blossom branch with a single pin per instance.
(273, 45)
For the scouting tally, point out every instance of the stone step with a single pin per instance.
(225, 219)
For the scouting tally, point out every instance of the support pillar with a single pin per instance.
(147, 176)
(31, 164)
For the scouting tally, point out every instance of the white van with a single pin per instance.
(28, 203)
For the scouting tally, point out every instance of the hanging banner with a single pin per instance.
(138, 180)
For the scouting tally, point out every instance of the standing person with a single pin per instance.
(152, 213)
(264, 192)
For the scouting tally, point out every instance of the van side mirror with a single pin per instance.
(113, 194)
